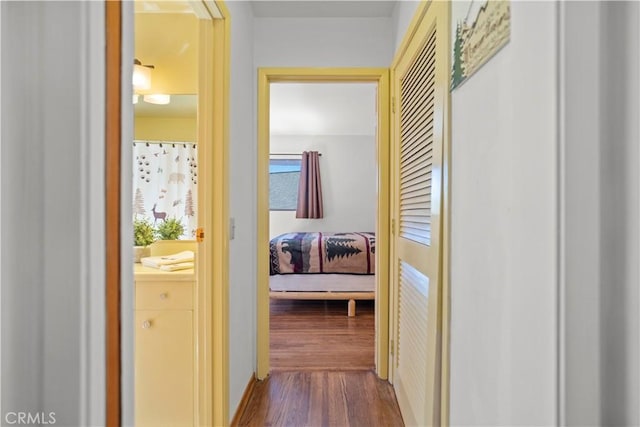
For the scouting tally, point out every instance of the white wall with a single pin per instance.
(242, 249)
(503, 241)
(503, 220)
(619, 219)
(599, 139)
(323, 42)
(402, 16)
(52, 201)
(21, 288)
(348, 173)
(580, 196)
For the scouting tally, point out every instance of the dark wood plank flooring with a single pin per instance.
(322, 398)
(322, 370)
(319, 335)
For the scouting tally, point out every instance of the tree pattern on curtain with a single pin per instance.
(165, 178)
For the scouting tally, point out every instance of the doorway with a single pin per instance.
(165, 211)
(208, 312)
(379, 77)
(322, 310)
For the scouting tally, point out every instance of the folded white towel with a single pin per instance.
(159, 261)
(176, 267)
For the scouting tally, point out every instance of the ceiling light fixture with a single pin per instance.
(141, 75)
(157, 98)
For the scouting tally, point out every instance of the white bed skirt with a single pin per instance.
(322, 283)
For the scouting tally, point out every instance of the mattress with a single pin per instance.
(322, 283)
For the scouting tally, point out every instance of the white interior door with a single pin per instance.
(420, 84)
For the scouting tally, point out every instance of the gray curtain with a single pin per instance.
(310, 187)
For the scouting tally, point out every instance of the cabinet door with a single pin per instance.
(164, 362)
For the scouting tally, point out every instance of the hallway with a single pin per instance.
(322, 369)
(543, 254)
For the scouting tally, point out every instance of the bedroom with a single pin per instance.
(338, 122)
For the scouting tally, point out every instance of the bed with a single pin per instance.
(325, 266)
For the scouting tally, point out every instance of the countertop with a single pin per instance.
(148, 274)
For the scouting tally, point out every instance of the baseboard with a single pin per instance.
(244, 401)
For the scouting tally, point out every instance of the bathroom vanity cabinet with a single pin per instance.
(165, 343)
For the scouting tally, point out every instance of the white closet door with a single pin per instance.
(420, 84)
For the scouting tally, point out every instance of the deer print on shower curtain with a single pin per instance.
(165, 179)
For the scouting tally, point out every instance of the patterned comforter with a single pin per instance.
(345, 253)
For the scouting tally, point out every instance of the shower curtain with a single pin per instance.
(165, 178)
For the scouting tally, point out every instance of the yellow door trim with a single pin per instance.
(213, 251)
(270, 75)
(445, 237)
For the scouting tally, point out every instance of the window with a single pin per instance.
(284, 175)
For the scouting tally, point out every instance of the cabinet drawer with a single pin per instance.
(164, 296)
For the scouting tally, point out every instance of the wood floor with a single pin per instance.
(322, 370)
(319, 335)
(322, 398)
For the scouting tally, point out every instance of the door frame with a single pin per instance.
(213, 367)
(445, 217)
(213, 252)
(114, 93)
(324, 75)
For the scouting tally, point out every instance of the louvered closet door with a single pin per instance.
(420, 86)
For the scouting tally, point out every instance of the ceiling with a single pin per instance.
(322, 9)
(323, 108)
(286, 8)
(296, 109)
(162, 6)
